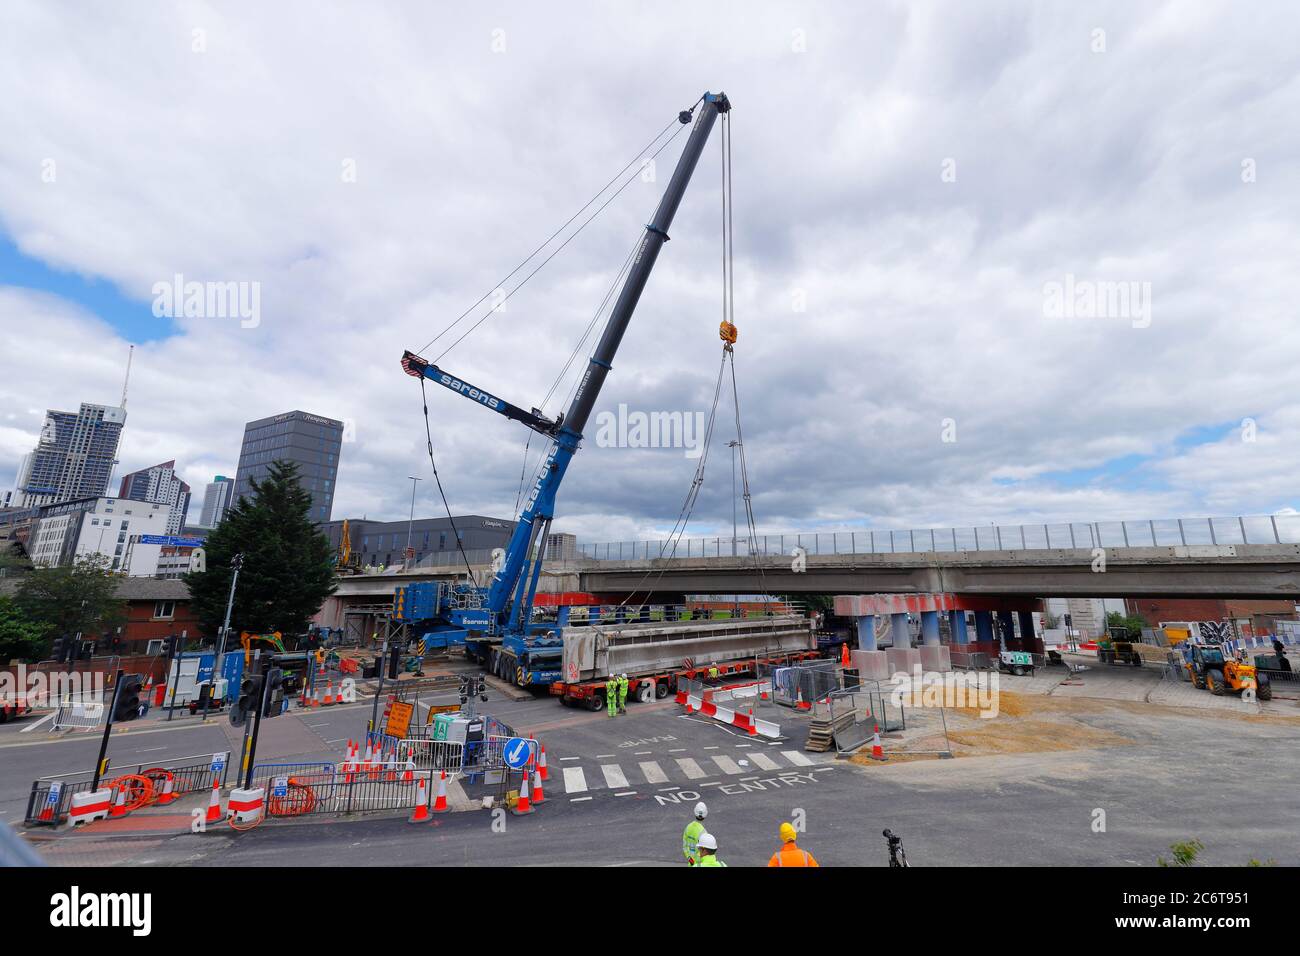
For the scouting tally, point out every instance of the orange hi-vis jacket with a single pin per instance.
(791, 855)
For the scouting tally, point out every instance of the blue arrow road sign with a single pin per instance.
(517, 752)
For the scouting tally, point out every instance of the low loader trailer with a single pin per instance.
(655, 655)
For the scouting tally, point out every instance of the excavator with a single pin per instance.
(1210, 669)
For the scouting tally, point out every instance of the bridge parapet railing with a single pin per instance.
(1147, 533)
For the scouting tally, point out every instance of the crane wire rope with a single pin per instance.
(496, 306)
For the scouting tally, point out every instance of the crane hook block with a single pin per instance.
(728, 333)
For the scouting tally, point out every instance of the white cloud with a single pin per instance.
(924, 297)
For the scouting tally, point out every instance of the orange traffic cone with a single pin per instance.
(523, 806)
(421, 814)
(47, 812)
(753, 729)
(214, 805)
(410, 769)
(800, 703)
(168, 793)
(541, 762)
(877, 752)
(440, 801)
(119, 804)
(329, 694)
(538, 796)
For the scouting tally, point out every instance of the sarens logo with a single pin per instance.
(474, 393)
(74, 909)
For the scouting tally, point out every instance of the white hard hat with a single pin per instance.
(706, 842)
(611, 677)
(624, 676)
(701, 811)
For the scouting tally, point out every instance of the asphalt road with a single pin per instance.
(621, 789)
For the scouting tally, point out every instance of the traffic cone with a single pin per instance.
(168, 793)
(800, 703)
(119, 804)
(877, 752)
(753, 729)
(538, 796)
(523, 806)
(421, 814)
(329, 694)
(541, 762)
(214, 805)
(440, 801)
(410, 769)
(47, 812)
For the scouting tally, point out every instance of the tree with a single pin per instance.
(1132, 624)
(20, 637)
(80, 599)
(287, 570)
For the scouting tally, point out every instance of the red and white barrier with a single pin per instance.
(245, 806)
(90, 805)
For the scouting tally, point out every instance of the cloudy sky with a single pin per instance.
(994, 262)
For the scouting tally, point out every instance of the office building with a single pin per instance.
(309, 441)
(383, 543)
(216, 499)
(74, 457)
(159, 484)
(70, 530)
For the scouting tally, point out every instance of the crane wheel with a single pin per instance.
(1215, 683)
(1263, 690)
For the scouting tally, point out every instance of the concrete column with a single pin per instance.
(1027, 628)
(930, 628)
(867, 632)
(984, 627)
(1006, 625)
(957, 625)
(899, 631)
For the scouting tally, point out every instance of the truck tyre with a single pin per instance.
(596, 702)
(646, 692)
(1264, 689)
(1215, 683)
(661, 689)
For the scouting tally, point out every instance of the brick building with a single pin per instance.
(1253, 617)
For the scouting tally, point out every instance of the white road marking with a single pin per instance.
(575, 781)
(726, 764)
(570, 758)
(578, 799)
(666, 789)
(745, 744)
(603, 756)
(714, 747)
(642, 753)
(796, 758)
(626, 793)
(763, 760)
(747, 779)
(690, 768)
(653, 774)
(613, 775)
(677, 750)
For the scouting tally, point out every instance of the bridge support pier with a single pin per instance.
(957, 627)
(984, 627)
(867, 632)
(899, 631)
(930, 628)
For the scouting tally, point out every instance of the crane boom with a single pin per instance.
(515, 578)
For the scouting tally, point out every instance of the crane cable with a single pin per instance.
(428, 434)
(551, 238)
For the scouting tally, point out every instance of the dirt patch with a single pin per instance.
(1019, 736)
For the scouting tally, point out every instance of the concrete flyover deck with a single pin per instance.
(1240, 570)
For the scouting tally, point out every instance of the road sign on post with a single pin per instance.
(517, 753)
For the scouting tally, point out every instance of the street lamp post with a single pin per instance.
(410, 523)
(236, 563)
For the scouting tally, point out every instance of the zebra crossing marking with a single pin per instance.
(726, 764)
(690, 768)
(575, 781)
(652, 772)
(763, 761)
(614, 778)
(796, 758)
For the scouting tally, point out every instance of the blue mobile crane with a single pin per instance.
(494, 623)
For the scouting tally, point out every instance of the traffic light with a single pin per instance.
(128, 698)
(275, 695)
(250, 692)
(59, 650)
(394, 661)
